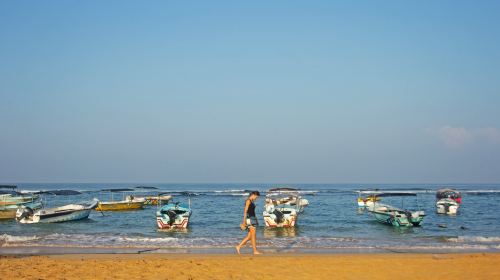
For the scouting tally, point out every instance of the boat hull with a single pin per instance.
(9, 211)
(8, 214)
(280, 217)
(163, 223)
(14, 200)
(70, 212)
(397, 217)
(119, 206)
(447, 206)
(66, 217)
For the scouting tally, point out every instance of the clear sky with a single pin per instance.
(263, 91)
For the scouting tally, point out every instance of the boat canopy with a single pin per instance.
(163, 194)
(447, 193)
(368, 191)
(60, 192)
(395, 194)
(118, 190)
(10, 192)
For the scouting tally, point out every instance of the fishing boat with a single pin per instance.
(66, 213)
(278, 212)
(448, 201)
(398, 217)
(366, 198)
(173, 215)
(11, 199)
(128, 202)
(288, 196)
(10, 196)
(9, 211)
(154, 200)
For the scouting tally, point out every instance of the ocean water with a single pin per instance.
(332, 221)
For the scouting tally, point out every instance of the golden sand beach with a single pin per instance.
(292, 266)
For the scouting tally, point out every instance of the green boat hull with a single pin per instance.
(398, 218)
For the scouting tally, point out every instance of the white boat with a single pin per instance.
(448, 201)
(70, 212)
(288, 196)
(279, 212)
(366, 198)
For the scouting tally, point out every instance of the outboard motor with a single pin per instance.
(408, 215)
(446, 207)
(171, 217)
(279, 216)
(23, 212)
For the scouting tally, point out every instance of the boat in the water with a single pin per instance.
(10, 196)
(154, 200)
(173, 215)
(288, 196)
(128, 202)
(399, 217)
(366, 198)
(278, 212)
(11, 199)
(448, 201)
(9, 211)
(66, 213)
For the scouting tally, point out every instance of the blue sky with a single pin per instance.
(264, 91)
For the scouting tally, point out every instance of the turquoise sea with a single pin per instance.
(331, 222)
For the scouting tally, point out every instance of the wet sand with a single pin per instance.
(272, 266)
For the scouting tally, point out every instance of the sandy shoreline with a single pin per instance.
(225, 266)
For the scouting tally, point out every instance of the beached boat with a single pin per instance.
(66, 213)
(278, 212)
(288, 196)
(173, 215)
(399, 217)
(367, 197)
(128, 202)
(448, 201)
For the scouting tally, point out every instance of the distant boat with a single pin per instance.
(288, 196)
(10, 196)
(66, 213)
(394, 216)
(154, 200)
(366, 198)
(9, 211)
(11, 199)
(448, 201)
(129, 202)
(173, 215)
(278, 211)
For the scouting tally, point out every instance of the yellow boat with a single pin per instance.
(153, 200)
(130, 203)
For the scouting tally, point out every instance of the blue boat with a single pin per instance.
(173, 215)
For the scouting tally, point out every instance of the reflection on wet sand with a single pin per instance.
(280, 232)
